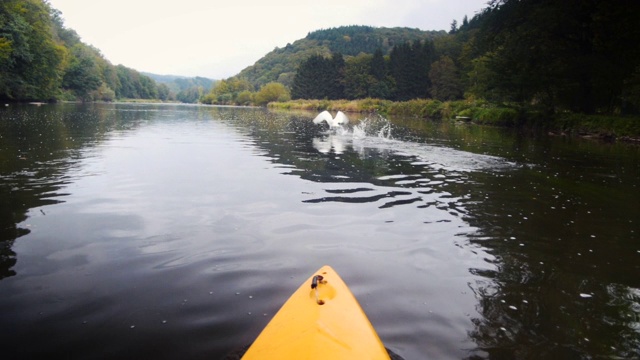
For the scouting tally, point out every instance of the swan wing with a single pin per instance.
(341, 119)
(323, 116)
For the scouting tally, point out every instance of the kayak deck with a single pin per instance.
(321, 320)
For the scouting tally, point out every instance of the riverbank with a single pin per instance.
(605, 127)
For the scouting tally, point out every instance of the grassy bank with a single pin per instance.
(482, 112)
(474, 110)
(605, 126)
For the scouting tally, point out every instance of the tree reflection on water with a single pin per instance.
(563, 283)
(38, 147)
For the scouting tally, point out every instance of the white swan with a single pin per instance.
(334, 122)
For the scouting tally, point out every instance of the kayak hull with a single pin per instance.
(325, 322)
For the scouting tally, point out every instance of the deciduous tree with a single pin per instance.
(272, 91)
(82, 75)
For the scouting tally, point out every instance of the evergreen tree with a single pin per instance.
(378, 67)
(336, 77)
(401, 71)
(445, 80)
(305, 81)
(410, 65)
(380, 86)
(454, 27)
(570, 54)
(319, 78)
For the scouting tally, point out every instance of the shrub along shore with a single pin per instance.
(605, 127)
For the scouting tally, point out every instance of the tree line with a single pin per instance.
(572, 55)
(557, 56)
(550, 56)
(239, 91)
(281, 64)
(41, 59)
(410, 71)
(403, 75)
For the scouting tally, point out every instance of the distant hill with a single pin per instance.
(178, 83)
(185, 89)
(281, 63)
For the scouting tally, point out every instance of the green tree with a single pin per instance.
(357, 76)
(306, 81)
(336, 76)
(190, 95)
(409, 66)
(103, 93)
(133, 85)
(381, 86)
(245, 97)
(226, 92)
(480, 79)
(454, 27)
(272, 91)
(30, 58)
(163, 92)
(445, 80)
(569, 54)
(147, 88)
(82, 75)
(378, 66)
(126, 79)
(5, 50)
(320, 78)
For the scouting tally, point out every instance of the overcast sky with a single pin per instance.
(217, 39)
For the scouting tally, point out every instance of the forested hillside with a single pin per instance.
(275, 72)
(572, 55)
(281, 64)
(546, 55)
(42, 60)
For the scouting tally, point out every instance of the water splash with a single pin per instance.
(371, 127)
(374, 134)
(338, 139)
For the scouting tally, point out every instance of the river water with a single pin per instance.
(171, 231)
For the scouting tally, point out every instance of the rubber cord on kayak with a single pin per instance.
(314, 285)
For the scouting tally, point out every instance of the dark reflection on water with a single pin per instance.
(565, 239)
(177, 231)
(38, 148)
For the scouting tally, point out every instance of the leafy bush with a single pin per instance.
(496, 116)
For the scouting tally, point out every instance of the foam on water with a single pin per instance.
(376, 134)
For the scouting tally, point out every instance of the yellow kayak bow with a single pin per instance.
(321, 320)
